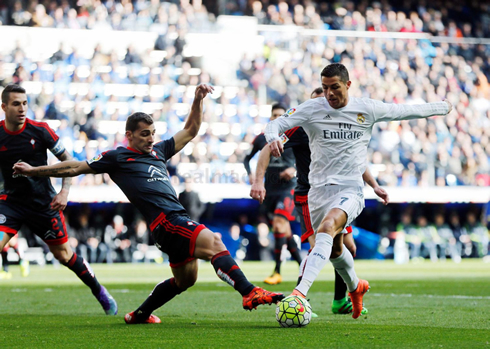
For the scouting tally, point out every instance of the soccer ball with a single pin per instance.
(293, 311)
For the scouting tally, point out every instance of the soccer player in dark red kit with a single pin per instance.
(33, 201)
(141, 173)
(278, 207)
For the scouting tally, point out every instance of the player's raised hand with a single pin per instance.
(277, 148)
(202, 91)
(449, 104)
(258, 192)
(383, 195)
(21, 168)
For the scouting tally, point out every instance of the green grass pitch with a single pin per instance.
(425, 305)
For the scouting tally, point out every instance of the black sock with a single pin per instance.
(161, 294)
(81, 267)
(340, 287)
(279, 241)
(5, 262)
(228, 271)
(293, 249)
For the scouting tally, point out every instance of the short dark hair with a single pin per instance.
(278, 106)
(135, 118)
(336, 69)
(12, 88)
(317, 91)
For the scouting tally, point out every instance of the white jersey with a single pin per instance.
(339, 137)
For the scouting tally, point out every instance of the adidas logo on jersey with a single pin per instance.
(328, 117)
(3, 148)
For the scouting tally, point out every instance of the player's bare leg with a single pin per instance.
(65, 255)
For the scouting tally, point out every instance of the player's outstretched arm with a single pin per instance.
(60, 200)
(258, 190)
(61, 169)
(371, 181)
(194, 120)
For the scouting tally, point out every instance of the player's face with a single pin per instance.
(335, 91)
(277, 113)
(143, 138)
(16, 109)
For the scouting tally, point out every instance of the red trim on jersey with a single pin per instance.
(16, 132)
(134, 150)
(284, 213)
(3, 197)
(290, 132)
(8, 230)
(44, 125)
(348, 229)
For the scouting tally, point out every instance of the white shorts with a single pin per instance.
(323, 199)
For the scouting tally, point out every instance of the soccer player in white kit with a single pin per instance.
(339, 129)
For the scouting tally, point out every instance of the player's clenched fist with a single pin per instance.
(202, 90)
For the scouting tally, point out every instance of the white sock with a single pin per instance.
(344, 264)
(317, 259)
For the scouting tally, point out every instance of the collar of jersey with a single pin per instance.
(16, 132)
(134, 150)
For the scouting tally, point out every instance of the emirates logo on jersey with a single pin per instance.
(33, 142)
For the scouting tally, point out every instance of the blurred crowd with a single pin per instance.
(418, 237)
(450, 150)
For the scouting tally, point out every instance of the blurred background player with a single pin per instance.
(141, 173)
(278, 206)
(297, 140)
(33, 201)
(23, 263)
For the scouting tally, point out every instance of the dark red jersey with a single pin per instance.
(29, 145)
(143, 178)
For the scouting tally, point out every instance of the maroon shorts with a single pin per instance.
(49, 225)
(176, 236)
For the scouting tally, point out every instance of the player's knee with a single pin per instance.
(336, 253)
(328, 226)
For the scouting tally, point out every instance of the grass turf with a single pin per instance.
(426, 305)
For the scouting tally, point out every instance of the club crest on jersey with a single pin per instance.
(361, 118)
(3, 219)
(33, 142)
(190, 223)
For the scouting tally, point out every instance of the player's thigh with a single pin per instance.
(208, 244)
(11, 219)
(186, 275)
(61, 252)
(49, 225)
(327, 201)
